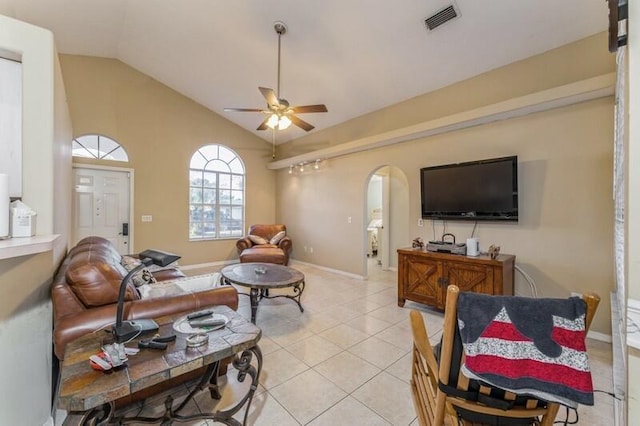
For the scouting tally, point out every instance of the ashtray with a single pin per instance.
(260, 270)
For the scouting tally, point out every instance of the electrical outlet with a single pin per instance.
(147, 218)
(310, 249)
(420, 223)
(574, 294)
(349, 219)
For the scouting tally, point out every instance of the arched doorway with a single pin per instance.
(386, 218)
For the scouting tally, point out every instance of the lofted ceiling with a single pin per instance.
(355, 56)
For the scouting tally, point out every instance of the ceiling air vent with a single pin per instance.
(442, 16)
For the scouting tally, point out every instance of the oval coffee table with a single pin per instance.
(260, 278)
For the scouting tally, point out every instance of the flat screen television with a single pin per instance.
(476, 190)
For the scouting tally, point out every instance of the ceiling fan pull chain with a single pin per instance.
(273, 143)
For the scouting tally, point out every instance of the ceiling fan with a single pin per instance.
(280, 114)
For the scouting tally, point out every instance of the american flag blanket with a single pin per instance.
(527, 346)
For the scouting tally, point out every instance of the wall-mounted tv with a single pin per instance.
(476, 190)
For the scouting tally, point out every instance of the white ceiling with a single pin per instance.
(355, 56)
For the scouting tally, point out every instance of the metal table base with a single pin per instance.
(104, 414)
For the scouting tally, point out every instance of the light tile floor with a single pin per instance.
(346, 360)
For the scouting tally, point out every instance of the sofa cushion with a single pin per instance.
(194, 284)
(95, 282)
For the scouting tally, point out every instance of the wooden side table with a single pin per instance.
(88, 395)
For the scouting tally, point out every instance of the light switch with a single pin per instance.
(147, 218)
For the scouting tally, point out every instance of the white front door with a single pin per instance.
(101, 206)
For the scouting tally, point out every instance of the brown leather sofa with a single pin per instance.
(85, 292)
(264, 248)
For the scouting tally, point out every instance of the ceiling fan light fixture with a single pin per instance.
(278, 122)
(284, 123)
(272, 123)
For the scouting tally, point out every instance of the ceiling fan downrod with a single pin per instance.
(281, 29)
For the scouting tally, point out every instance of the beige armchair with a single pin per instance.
(266, 244)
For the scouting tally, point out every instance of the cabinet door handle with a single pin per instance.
(439, 281)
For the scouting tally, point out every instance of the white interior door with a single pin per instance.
(101, 207)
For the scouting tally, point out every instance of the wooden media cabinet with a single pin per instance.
(423, 276)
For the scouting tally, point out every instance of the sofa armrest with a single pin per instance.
(285, 244)
(243, 244)
(76, 325)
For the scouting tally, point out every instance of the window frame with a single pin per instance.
(100, 154)
(218, 211)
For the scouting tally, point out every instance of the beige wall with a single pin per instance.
(564, 236)
(25, 306)
(160, 130)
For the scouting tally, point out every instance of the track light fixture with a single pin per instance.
(301, 167)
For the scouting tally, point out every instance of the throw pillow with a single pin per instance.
(277, 238)
(144, 276)
(256, 239)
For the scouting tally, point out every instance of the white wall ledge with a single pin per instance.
(15, 247)
(557, 97)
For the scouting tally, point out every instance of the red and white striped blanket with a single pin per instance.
(527, 346)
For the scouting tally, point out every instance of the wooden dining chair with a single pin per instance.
(521, 407)
(424, 375)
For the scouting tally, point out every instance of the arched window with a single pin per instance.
(216, 194)
(98, 147)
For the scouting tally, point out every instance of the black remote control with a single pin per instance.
(199, 314)
(207, 322)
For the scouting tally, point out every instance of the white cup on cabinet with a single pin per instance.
(473, 247)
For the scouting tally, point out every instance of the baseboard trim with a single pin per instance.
(324, 268)
(207, 265)
(291, 261)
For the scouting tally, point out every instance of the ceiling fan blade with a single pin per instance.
(300, 123)
(263, 125)
(309, 108)
(244, 109)
(270, 96)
